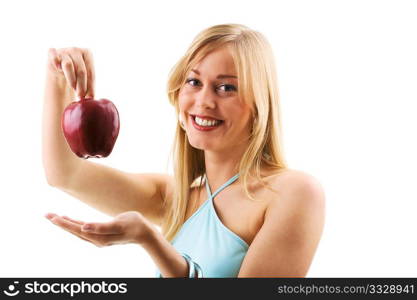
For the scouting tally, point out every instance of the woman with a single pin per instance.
(233, 208)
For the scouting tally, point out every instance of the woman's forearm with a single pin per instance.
(169, 262)
(58, 160)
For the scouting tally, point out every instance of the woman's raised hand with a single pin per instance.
(76, 66)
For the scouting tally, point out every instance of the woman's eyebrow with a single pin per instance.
(220, 76)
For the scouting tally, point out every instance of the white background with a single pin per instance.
(347, 77)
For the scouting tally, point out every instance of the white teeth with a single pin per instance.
(203, 122)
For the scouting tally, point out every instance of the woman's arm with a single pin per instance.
(286, 243)
(169, 262)
(109, 190)
(57, 158)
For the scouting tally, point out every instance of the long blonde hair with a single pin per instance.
(257, 81)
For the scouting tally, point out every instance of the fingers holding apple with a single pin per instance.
(89, 64)
(76, 64)
(90, 126)
(80, 73)
(68, 68)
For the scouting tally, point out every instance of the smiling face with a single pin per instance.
(211, 92)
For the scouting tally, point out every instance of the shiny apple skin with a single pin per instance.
(91, 127)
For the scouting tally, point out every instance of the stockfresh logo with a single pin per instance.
(11, 289)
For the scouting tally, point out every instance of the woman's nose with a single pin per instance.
(205, 98)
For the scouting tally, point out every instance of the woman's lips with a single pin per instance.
(204, 128)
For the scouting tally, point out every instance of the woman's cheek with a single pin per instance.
(184, 92)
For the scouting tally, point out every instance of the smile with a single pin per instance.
(204, 125)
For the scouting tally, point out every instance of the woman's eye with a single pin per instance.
(228, 87)
(223, 87)
(192, 80)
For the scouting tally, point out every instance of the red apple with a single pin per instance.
(91, 127)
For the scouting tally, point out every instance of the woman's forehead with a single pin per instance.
(216, 62)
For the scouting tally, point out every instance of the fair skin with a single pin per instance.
(208, 95)
(286, 229)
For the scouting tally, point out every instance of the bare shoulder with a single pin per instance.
(297, 180)
(300, 189)
(292, 228)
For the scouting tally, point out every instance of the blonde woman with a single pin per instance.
(233, 207)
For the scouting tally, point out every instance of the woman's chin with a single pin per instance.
(202, 145)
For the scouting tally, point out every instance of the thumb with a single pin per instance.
(102, 228)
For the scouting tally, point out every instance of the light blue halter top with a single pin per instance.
(214, 247)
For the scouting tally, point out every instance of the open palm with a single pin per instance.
(127, 227)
